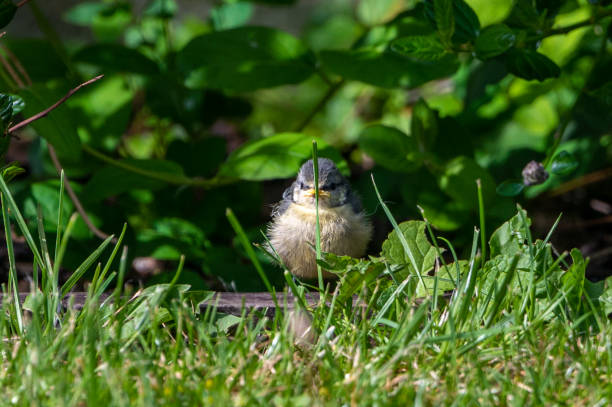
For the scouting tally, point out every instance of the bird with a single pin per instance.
(344, 228)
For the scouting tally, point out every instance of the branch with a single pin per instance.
(53, 106)
(73, 196)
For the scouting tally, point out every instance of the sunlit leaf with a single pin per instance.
(419, 47)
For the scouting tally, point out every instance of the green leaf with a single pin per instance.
(447, 279)
(459, 182)
(419, 47)
(115, 57)
(39, 57)
(355, 273)
(510, 187)
(245, 59)
(278, 156)
(7, 12)
(6, 112)
(424, 253)
(494, 40)
(112, 180)
(161, 9)
(58, 127)
(563, 163)
(84, 13)
(231, 15)
(445, 19)
(18, 104)
(509, 239)
(423, 125)
(390, 148)
(386, 69)
(529, 64)
(466, 23)
(109, 24)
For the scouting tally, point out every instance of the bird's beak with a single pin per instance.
(311, 193)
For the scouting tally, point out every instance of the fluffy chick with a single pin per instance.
(344, 228)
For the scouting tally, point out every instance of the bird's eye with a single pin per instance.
(331, 187)
(302, 186)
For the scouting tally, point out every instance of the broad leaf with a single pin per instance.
(445, 19)
(494, 40)
(386, 69)
(278, 156)
(84, 13)
(604, 93)
(510, 238)
(390, 148)
(419, 47)
(423, 125)
(423, 252)
(529, 64)
(510, 188)
(466, 23)
(231, 15)
(563, 163)
(375, 12)
(161, 8)
(115, 57)
(459, 182)
(245, 59)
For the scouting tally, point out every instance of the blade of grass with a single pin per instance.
(80, 271)
(248, 248)
(481, 215)
(502, 291)
(58, 235)
(113, 254)
(315, 165)
(12, 268)
(400, 235)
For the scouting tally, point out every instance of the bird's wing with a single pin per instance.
(282, 206)
(355, 202)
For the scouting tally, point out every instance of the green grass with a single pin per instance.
(521, 328)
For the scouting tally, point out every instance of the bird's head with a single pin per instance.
(334, 189)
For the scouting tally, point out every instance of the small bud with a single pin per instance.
(534, 173)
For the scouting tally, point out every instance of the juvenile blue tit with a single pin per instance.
(344, 228)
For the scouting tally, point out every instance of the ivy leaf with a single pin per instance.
(529, 64)
(423, 252)
(390, 148)
(278, 156)
(494, 40)
(245, 59)
(563, 163)
(7, 12)
(419, 47)
(510, 187)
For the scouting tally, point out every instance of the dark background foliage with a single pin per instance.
(212, 105)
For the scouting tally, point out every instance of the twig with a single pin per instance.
(53, 106)
(580, 182)
(326, 97)
(22, 3)
(73, 197)
(11, 72)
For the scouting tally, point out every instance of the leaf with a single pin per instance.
(18, 104)
(6, 112)
(447, 279)
(423, 252)
(390, 148)
(423, 125)
(245, 59)
(111, 180)
(386, 69)
(529, 64)
(115, 57)
(459, 182)
(563, 163)
(466, 23)
(58, 127)
(419, 47)
(510, 238)
(510, 187)
(39, 57)
(445, 19)
(355, 273)
(231, 15)
(375, 12)
(278, 156)
(494, 40)
(161, 8)
(7, 12)
(84, 13)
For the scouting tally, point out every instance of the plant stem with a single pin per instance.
(315, 165)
